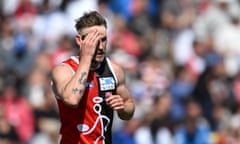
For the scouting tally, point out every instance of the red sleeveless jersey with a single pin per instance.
(91, 121)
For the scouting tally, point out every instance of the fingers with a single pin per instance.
(114, 101)
(92, 36)
(89, 42)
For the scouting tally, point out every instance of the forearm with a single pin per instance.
(128, 111)
(75, 88)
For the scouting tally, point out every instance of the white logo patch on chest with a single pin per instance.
(107, 83)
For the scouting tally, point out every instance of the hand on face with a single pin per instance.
(114, 101)
(89, 43)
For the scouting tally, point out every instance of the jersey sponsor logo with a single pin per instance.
(89, 84)
(107, 83)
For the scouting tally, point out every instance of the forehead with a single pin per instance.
(101, 29)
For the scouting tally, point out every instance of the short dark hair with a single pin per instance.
(89, 19)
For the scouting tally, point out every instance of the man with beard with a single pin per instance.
(89, 87)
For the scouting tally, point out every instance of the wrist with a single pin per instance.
(85, 60)
(125, 115)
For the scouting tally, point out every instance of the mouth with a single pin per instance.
(100, 53)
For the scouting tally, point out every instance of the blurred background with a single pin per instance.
(181, 58)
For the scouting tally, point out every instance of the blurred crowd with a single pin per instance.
(181, 58)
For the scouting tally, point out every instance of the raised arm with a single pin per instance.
(68, 85)
(71, 86)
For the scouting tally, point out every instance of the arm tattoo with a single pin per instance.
(82, 78)
(76, 90)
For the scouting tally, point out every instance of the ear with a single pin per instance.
(78, 40)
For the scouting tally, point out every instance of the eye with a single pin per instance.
(103, 39)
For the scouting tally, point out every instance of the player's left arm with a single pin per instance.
(122, 102)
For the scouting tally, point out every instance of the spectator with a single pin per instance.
(161, 125)
(8, 134)
(140, 24)
(195, 129)
(181, 88)
(17, 110)
(126, 134)
(124, 39)
(226, 41)
(212, 86)
(196, 63)
(143, 133)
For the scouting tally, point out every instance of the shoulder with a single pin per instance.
(61, 71)
(118, 70)
(65, 66)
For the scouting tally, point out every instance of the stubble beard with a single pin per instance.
(96, 61)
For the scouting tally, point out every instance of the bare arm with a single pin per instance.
(71, 86)
(122, 102)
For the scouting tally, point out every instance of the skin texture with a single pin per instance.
(70, 86)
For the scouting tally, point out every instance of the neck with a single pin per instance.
(95, 65)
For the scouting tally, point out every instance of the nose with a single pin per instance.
(100, 45)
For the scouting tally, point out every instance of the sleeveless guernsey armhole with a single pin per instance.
(111, 68)
(71, 63)
(75, 59)
(68, 67)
